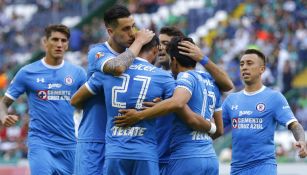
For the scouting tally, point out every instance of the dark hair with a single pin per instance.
(113, 13)
(57, 28)
(173, 51)
(257, 52)
(153, 43)
(171, 31)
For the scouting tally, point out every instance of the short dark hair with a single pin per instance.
(57, 28)
(113, 13)
(257, 52)
(153, 43)
(173, 51)
(171, 31)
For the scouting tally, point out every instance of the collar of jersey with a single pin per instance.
(141, 59)
(255, 92)
(50, 66)
(110, 48)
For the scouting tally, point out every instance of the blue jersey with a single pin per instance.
(141, 82)
(93, 123)
(253, 118)
(49, 89)
(205, 99)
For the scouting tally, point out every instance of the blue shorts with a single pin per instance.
(270, 169)
(163, 168)
(195, 166)
(51, 161)
(128, 167)
(89, 158)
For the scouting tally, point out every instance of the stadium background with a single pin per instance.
(222, 28)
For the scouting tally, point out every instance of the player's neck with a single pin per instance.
(253, 87)
(115, 46)
(53, 61)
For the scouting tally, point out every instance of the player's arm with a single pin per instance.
(220, 76)
(120, 64)
(80, 97)
(299, 135)
(218, 120)
(6, 119)
(177, 103)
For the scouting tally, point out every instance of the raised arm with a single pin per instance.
(6, 119)
(299, 135)
(220, 76)
(121, 63)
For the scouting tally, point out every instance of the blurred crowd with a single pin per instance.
(277, 27)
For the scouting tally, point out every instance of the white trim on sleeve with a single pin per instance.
(290, 121)
(184, 87)
(89, 89)
(101, 68)
(11, 97)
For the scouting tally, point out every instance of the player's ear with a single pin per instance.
(44, 42)
(110, 31)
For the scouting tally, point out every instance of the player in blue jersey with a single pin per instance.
(49, 84)
(110, 57)
(192, 150)
(130, 150)
(253, 114)
(164, 123)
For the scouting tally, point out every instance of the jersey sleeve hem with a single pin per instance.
(11, 97)
(102, 65)
(290, 121)
(89, 88)
(184, 88)
(218, 109)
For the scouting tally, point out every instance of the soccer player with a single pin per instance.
(253, 114)
(192, 150)
(49, 84)
(110, 57)
(130, 150)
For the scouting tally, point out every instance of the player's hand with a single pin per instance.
(151, 104)
(143, 36)
(129, 117)
(9, 120)
(191, 50)
(301, 145)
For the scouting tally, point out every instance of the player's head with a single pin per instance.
(165, 36)
(178, 60)
(56, 40)
(252, 65)
(150, 50)
(120, 26)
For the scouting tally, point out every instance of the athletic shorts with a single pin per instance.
(51, 161)
(195, 166)
(270, 169)
(89, 158)
(128, 167)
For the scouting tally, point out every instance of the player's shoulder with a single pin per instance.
(34, 66)
(268, 91)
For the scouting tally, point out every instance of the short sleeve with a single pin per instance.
(283, 113)
(17, 86)
(95, 83)
(97, 57)
(225, 113)
(185, 80)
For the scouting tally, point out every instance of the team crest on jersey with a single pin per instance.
(235, 123)
(260, 107)
(68, 80)
(99, 55)
(42, 94)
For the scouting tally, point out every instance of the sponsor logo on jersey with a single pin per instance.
(260, 107)
(128, 131)
(40, 80)
(235, 122)
(68, 80)
(54, 85)
(142, 67)
(245, 113)
(286, 107)
(54, 95)
(99, 55)
(42, 94)
(234, 107)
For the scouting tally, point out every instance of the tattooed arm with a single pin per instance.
(7, 120)
(120, 64)
(299, 135)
